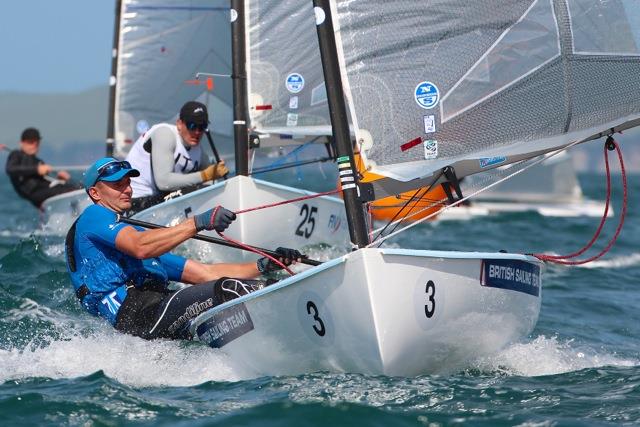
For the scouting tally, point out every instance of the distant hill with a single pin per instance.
(74, 129)
(73, 125)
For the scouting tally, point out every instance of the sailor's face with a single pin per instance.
(190, 137)
(30, 147)
(113, 195)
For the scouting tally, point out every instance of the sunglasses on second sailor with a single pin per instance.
(196, 126)
(109, 169)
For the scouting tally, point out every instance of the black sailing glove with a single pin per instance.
(287, 256)
(219, 222)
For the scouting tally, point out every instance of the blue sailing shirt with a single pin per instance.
(105, 270)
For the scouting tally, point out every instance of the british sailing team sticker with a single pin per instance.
(511, 274)
(427, 95)
(294, 82)
(225, 326)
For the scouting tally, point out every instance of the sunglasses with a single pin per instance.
(109, 169)
(195, 126)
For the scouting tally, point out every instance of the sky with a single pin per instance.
(55, 46)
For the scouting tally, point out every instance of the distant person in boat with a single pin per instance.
(169, 158)
(121, 272)
(30, 175)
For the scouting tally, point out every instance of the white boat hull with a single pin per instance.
(316, 221)
(378, 311)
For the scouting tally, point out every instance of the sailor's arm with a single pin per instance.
(15, 166)
(196, 272)
(153, 243)
(162, 163)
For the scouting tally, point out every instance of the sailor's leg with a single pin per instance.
(184, 305)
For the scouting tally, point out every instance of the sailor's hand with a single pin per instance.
(44, 169)
(220, 170)
(64, 175)
(214, 171)
(287, 256)
(214, 219)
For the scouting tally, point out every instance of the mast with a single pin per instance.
(239, 76)
(113, 80)
(340, 123)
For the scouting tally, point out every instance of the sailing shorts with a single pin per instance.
(152, 313)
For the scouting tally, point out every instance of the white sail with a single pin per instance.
(477, 84)
(287, 95)
(163, 45)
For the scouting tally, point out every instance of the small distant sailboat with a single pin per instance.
(434, 91)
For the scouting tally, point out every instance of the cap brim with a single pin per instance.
(120, 174)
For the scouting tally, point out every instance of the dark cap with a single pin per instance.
(194, 111)
(30, 134)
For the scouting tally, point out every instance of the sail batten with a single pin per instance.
(484, 83)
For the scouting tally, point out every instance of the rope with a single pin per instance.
(247, 247)
(310, 196)
(564, 259)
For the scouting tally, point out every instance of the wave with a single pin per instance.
(615, 262)
(127, 359)
(548, 356)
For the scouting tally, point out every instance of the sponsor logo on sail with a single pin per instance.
(142, 126)
(491, 161)
(292, 119)
(427, 95)
(294, 82)
(429, 124)
(430, 149)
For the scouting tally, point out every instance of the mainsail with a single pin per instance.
(478, 84)
(163, 45)
(287, 95)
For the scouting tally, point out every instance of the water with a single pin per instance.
(580, 366)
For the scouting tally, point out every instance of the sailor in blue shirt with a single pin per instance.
(120, 272)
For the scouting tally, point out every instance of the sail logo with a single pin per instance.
(491, 161)
(427, 95)
(142, 126)
(294, 82)
(430, 149)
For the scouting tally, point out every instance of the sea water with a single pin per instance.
(580, 365)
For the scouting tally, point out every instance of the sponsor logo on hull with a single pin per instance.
(225, 326)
